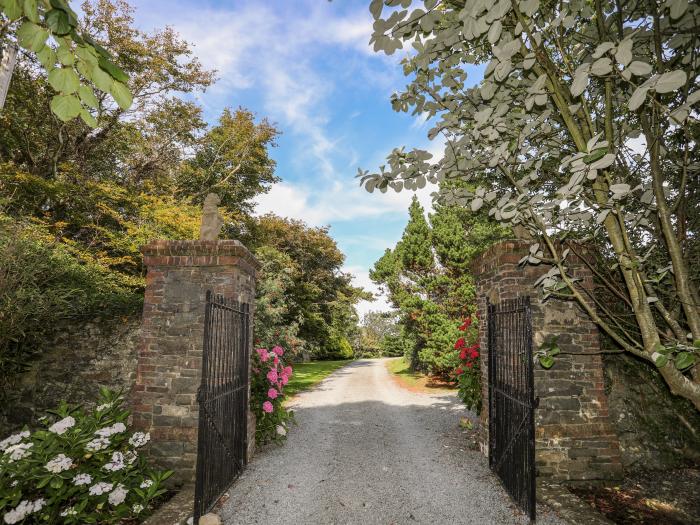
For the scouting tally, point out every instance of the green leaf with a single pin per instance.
(554, 350)
(684, 360)
(546, 361)
(661, 360)
(47, 57)
(57, 20)
(114, 70)
(65, 55)
(64, 79)
(56, 483)
(88, 118)
(32, 36)
(87, 95)
(696, 343)
(596, 155)
(31, 10)
(670, 81)
(85, 53)
(102, 80)
(65, 107)
(12, 9)
(121, 95)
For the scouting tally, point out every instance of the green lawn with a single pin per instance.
(400, 367)
(307, 375)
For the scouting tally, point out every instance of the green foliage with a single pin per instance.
(84, 467)
(376, 329)
(267, 395)
(42, 282)
(70, 56)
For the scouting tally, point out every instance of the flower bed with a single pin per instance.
(269, 377)
(468, 373)
(84, 467)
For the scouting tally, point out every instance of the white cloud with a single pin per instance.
(361, 278)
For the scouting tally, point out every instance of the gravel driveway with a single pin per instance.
(368, 451)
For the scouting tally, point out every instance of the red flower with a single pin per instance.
(474, 354)
(459, 371)
(467, 323)
(463, 354)
(460, 343)
(470, 364)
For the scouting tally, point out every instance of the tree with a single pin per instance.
(78, 67)
(232, 159)
(582, 130)
(375, 329)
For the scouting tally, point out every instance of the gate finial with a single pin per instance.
(211, 220)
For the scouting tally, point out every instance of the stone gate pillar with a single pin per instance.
(574, 437)
(163, 400)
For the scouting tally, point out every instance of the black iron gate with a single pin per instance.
(511, 399)
(223, 400)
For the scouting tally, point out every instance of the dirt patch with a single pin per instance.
(424, 384)
(649, 498)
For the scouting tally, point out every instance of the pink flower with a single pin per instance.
(272, 375)
(267, 407)
(262, 352)
(278, 350)
(285, 379)
(276, 360)
(272, 393)
(287, 371)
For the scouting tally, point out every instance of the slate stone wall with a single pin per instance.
(170, 354)
(574, 438)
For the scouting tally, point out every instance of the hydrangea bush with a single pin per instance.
(268, 378)
(83, 467)
(469, 371)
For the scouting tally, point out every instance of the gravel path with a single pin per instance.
(368, 451)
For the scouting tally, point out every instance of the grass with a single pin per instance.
(308, 375)
(401, 370)
(400, 367)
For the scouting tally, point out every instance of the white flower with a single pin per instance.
(82, 479)
(104, 406)
(117, 428)
(100, 488)
(139, 439)
(24, 509)
(131, 456)
(117, 462)
(137, 508)
(281, 430)
(97, 444)
(70, 511)
(146, 483)
(59, 427)
(14, 483)
(118, 495)
(13, 439)
(19, 451)
(59, 464)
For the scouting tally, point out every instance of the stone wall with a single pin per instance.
(574, 437)
(72, 367)
(170, 354)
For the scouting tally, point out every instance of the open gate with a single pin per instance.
(223, 400)
(511, 400)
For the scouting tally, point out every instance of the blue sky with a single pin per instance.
(306, 65)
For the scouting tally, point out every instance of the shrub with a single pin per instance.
(267, 395)
(84, 467)
(469, 371)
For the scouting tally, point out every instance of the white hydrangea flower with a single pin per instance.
(19, 451)
(82, 479)
(60, 427)
(281, 430)
(100, 488)
(117, 428)
(130, 457)
(118, 495)
(59, 464)
(137, 508)
(139, 439)
(70, 511)
(146, 483)
(117, 462)
(97, 444)
(104, 406)
(13, 439)
(21, 511)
